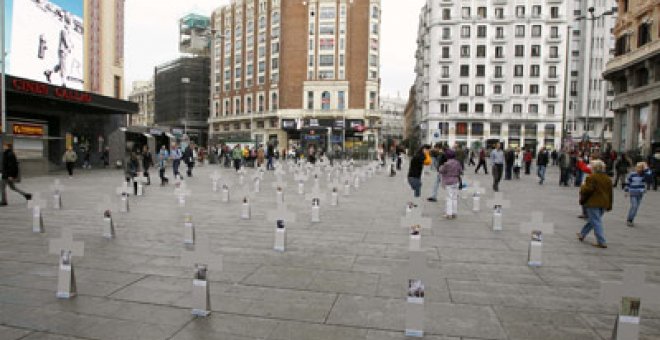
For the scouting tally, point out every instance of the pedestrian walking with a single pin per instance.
(497, 160)
(482, 162)
(147, 162)
(621, 170)
(415, 170)
(270, 154)
(105, 156)
(11, 174)
(188, 157)
(439, 159)
(451, 173)
(555, 157)
(542, 160)
(471, 162)
(517, 163)
(130, 171)
(69, 159)
(564, 163)
(176, 155)
(163, 156)
(237, 156)
(596, 198)
(261, 156)
(636, 189)
(527, 158)
(509, 159)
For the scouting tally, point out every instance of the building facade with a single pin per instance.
(590, 96)
(181, 89)
(392, 120)
(488, 73)
(104, 47)
(296, 73)
(634, 73)
(143, 93)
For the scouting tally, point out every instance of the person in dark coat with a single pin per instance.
(596, 198)
(509, 159)
(415, 170)
(147, 162)
(10, 174)
(189, 159)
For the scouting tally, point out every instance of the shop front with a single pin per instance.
(43, 120)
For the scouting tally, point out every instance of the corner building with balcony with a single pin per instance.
(490, 72)
(634, 73)
(296, 73)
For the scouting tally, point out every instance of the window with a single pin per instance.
(643, 34)
(536, 11)
(552, 71)
(465, 50)
(248, 105)
(446, 33)
(327, 44)
(552, 91)
(518, 70)
(536, 31)
(463, 107)
(498, 72)
(274, 101)
(275, 63)
(517, 89)
(445, 72)
(554, 52)
(310, 100)
(464, 90)
(520, 50)
(326, 60)
(479, 108)
(341, 100)
(534, 89)
(465, 31)
(497, 108)
(497, 89)
(533, 108)
(465, 71)
(499, 52)
(374, 12)
(478, 128)
(325, 100)
(465, 12)
(479, 90)
(496, 128)
(481, 12)
(327, 13)
(372, 100)
(520, 31)
(446, 14)
(445, 52)
(536, 50)
(444, 90)
(554, 12)
(328, 29)
(554, 32)
(517, 108)
(499, 32)
(481, 70)
(481, 51)
(237, 107)
(520, 11)
(462, 128)
(481, 31)
(550, 111)
(534, 71)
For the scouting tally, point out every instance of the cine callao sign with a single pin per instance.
(51, 91)
(28, 130)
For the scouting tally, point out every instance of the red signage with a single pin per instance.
(46, 90)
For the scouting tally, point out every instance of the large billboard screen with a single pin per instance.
(44, 41)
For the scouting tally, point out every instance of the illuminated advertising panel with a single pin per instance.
(44, 40)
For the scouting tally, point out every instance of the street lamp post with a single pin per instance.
(591, 18)
(3, 60)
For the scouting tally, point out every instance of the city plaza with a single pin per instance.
(337, 279)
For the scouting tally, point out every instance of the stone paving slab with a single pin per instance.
(335, 280)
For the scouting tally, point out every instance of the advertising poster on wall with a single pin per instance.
(44, 41)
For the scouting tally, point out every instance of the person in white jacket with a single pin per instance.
(517, 163)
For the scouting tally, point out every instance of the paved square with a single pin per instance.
(337, 278)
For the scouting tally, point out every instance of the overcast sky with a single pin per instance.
(152, 38)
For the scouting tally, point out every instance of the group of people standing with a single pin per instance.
(176, 154)
(589, 171)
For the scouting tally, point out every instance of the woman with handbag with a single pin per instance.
(596, 198)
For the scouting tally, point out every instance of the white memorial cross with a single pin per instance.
(188, 229)
(498, 203)
(256, 181)
(346, 179)
(241, 175)
(57, 189)
(415, 218)
(476, 191)
(181, 192)
(202, 260)
(140, 180)
(414, 276)
(105, 207)
(536, 228)
(246, 210)
(37, 204)
(65, 247)
(215, 179)
(629, 295)
(123, 191)
(301, 178)
(225, 185)
(281, 217)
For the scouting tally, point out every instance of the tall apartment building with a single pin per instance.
(296, 73)
(104, 47)
(143, 93)
(591, 47)
(392, 121)
(635, 76)
(488, 72)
